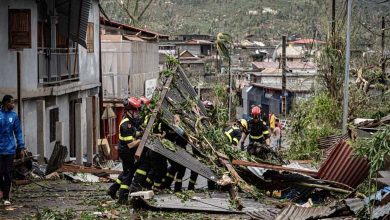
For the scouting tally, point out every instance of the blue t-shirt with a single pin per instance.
(9, 131)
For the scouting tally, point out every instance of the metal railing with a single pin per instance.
(57, 65)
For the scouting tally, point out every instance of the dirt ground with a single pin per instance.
(62, 199)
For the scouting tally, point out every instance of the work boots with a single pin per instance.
(123, 196)
(178, 186)
(112, 190)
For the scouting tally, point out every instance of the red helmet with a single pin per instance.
(144, 100)
(255, 112)
(132, 103)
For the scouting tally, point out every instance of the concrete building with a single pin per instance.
(266, 85)
(50, 63)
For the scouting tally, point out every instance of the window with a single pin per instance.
(19, 28)
(90, 37)
(53, 121)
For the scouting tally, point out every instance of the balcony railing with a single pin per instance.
(57, 65)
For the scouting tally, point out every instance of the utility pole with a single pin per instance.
(284, 91)
(383, 52)
(346, 79)
(333, 21)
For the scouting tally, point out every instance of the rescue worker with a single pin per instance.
(234, 132)
(257, 130)
(11, 142)
(175, 172)
(151, 169)
(127, 148)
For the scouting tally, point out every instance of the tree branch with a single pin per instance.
(143, 11)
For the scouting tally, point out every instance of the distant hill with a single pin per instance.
(265, 18)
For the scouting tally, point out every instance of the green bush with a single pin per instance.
(317, 117)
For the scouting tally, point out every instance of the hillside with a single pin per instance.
(265, 18)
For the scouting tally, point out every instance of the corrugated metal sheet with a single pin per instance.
(354, 204)
(215, 202)
(329, 141)
(263, 214)
(382, 211)
(126, 66)
(302, 213)
(343, 167)
(182, 157)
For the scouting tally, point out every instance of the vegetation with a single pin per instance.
(317, 117)
(377, 150)
(266, 19)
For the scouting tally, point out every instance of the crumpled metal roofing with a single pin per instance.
(343, 166)
(326, 142)
(382, 211)
(354, 204)
(302, 213)
(263, 214)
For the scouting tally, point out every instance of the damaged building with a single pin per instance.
(50, 64)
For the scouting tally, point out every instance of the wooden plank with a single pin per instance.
(232, 190)
(274, 167)
(81, 169)
(153, 118)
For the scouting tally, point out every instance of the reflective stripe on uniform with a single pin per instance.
(126, 138)
(227, 133)
(142, 172)
(146, 120)
(118, 181)
(235, 140)
(178, 180)
(192, 181)
(266, 132)
(170, 175)
(148, 180)
(255, 137)
(124, 186)
(157, 184)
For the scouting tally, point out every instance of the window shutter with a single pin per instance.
(19, 28)
(90, 36)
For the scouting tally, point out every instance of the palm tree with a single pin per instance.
(223, 43)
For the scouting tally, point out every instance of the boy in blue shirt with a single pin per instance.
(10, 130)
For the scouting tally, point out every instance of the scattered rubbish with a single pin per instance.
(81, 169)
(52, 176)
(82, 177)
(143, 194)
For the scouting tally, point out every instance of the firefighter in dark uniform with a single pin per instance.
(234, 132)
(257, 130)
(151, 169)
(127, 148)
(175, 172)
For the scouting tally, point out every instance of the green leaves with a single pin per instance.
(375, 149)
(312, 119)
(223, 43)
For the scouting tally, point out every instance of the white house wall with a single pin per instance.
(89, 62)
(54, 96)
(28, 58)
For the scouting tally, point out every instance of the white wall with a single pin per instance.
(29, 125)
(89, 62)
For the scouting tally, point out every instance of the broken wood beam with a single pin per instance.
(152, 118)
(237, 178)
(81, 169)
(329, 188)
(275, 167)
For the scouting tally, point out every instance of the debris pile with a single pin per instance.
(260, 188)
